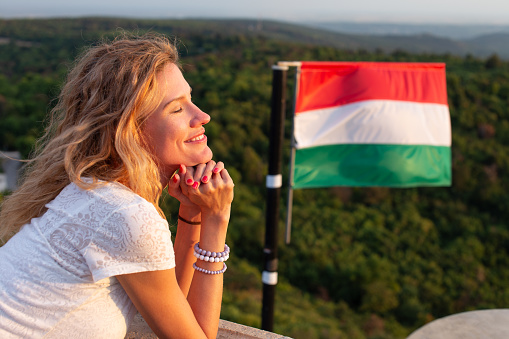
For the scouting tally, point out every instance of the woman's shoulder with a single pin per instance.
(113, 192)
(106, 196)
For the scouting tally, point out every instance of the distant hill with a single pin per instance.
(456, 32)
(498, 42)
(480, 46)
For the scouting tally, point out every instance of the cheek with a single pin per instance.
(162, 133)
(167, 137)
(168, 140)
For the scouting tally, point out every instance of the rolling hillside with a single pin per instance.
(364, 263)
(481, 46)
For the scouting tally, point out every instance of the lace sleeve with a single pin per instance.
(132, 239)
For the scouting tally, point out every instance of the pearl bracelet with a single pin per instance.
(211, 256)
(199, 269)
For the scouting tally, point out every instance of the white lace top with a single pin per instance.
(57, 275)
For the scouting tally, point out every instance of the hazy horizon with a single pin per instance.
(488, 12)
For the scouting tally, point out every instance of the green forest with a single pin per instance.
(370, 262)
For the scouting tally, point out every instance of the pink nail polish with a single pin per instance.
(205, 179)
(195, 185)
(189, 181)
(216, 170)
(181, 169)
(175, 179)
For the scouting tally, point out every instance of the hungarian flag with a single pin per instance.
(372, 124)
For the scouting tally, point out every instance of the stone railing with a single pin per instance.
(227, 330)
(492, 324)
(483, 324)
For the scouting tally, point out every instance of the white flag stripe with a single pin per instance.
(375, 122)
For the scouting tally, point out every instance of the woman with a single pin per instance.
(89, 244)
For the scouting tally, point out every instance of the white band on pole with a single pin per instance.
(274, 181)
(269, 278)
(280, 67)
(289, 63)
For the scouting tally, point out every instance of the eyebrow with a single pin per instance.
(177, 99)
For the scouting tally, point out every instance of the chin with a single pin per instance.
(206, 157)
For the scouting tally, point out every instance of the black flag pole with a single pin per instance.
(273, 183)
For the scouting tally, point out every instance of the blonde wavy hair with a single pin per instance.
(95, 128)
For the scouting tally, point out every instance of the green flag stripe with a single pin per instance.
(372, 165)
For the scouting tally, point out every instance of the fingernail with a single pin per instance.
(181, 169)
(205, 178)
(175, 179)
(189, 181)
(195, 185)
(216, 170)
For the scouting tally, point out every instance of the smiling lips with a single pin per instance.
(197, 138)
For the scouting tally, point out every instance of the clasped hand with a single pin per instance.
(208, 187)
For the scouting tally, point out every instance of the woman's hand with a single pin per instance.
(190, 181)
(210, 187)
(175, 189)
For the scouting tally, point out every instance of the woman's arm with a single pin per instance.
(159, 299)
(187, 236)
(214, 196)
(157, 295)
(163, 305)
(207, 311)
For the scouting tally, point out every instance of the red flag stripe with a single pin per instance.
(330, 84)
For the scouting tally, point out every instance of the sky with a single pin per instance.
(392, 11)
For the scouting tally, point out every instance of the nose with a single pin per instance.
(200, 118)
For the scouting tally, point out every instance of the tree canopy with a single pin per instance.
(363, 262)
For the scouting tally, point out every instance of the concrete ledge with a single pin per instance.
(227, 330)
(493, 324)
(139, 329)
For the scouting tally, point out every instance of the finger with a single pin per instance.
(207, 173)
(227, 179)
(173, 175)
(218, 168)
(174, 188)
(174, 182)
(189, 176)
(182, 169)
(198, 173)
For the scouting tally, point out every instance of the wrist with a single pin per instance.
(191, 213)
(213, 231)
(217, 217)
(212, 242)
